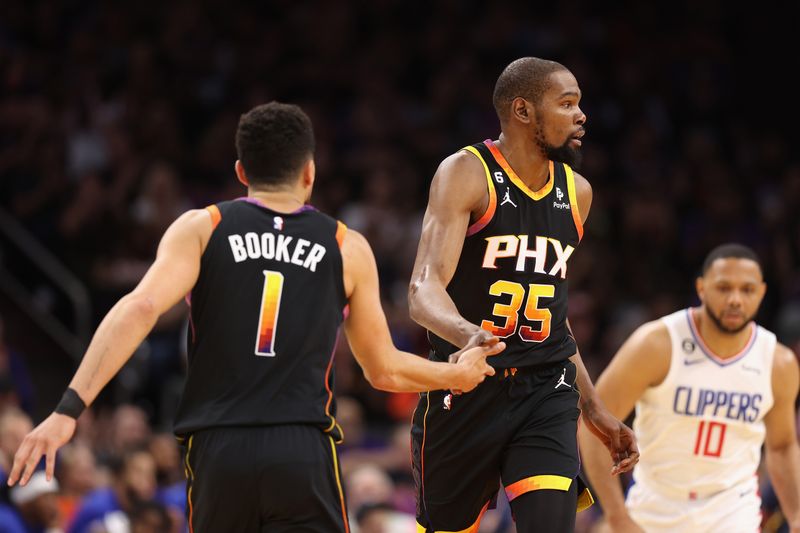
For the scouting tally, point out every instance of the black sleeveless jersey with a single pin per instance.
(511, 278)
(265, 314)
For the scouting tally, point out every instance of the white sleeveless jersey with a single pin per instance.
(701, 430)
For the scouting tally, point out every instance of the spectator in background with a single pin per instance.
(76, 471)
(37, 505)
(14, 425)
(134, 482)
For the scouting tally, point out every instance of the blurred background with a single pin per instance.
(116, 117)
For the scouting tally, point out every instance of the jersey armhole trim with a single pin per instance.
(492, 207)
(341, 229)
(573, 201)
(216, 216)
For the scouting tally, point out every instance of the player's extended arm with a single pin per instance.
(171, 276)
(642, 362)
(458, 189)
(386, 367)
(782, 451)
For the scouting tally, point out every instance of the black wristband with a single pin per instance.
(70, 404)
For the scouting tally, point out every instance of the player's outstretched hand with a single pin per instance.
(474, 366)
(616, 436)
(45, 439)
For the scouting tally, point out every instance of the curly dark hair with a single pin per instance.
(528, 77)
(273, 142)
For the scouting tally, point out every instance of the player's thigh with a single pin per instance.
(546, 510)
(543, 453)
(300, 481)
(222, 487)
(456, 450)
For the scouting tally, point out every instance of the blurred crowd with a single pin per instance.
(117, 117)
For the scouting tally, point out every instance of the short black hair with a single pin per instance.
(731, 250)
(273, 142)
(528, 77)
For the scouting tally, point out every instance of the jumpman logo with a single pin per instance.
(561, 380)
(507, 199)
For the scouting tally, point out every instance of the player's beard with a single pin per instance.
(563, 154)
(717, 320)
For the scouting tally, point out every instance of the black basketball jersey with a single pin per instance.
(265, 314)
(511, 278)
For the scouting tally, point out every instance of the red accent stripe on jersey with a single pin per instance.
(516, 180)
(709, 352)
(216, 216)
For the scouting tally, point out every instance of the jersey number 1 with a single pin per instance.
(268, 316)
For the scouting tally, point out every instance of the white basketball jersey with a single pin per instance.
(701, 430)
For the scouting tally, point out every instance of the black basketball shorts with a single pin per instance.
(263, 479)
(518, 427)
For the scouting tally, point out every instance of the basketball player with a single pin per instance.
(710, 387)
(502, 221)
(269, 280)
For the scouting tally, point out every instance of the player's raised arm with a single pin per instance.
(171, 276)
(386, 367)
(642, 361)
(782, 451)
(457, 192)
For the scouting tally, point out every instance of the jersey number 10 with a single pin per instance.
(710, 438)
(268, 316)
(509, 312)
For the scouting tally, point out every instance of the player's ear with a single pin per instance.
(309, 173)
(240, 174)
(522, 110)
(699, 286)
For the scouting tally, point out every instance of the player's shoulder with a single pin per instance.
(653, 337)
(460, 178)
(785, 360)
(582, 185)
(355, 246)
(461, 163)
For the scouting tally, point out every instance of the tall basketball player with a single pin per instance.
(503, 219)
(710, 387)
(269, 280)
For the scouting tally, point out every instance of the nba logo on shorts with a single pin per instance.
(447, 400)
(278, 223)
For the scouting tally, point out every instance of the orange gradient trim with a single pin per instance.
(216, 216)
(191, 483)
(471, 529)
(573, 202)
(537, 483)
(330, 392)
(338, 475)
(501, 160)
(341, 229)
(422, 448)
(492, 207)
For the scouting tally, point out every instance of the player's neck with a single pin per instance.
(722, 343)
(527, 161)
(282, 201)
